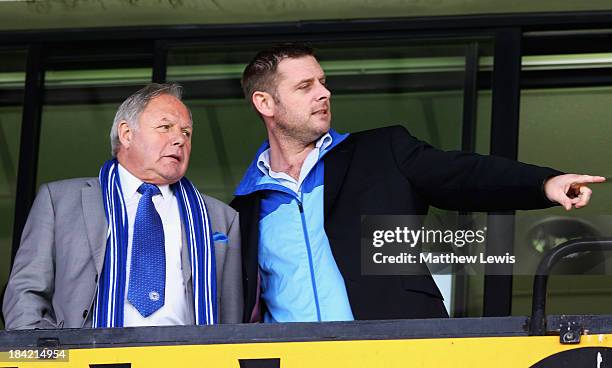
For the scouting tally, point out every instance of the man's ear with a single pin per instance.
(125, 133)
(264, 103)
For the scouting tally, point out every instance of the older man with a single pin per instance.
(301, 199)
(138, 246)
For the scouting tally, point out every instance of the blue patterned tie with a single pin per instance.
(146, 290)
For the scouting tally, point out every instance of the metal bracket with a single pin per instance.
(570, 331)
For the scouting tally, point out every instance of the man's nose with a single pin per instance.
(178, 138)
(324, 93)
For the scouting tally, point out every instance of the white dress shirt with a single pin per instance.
(174, 311)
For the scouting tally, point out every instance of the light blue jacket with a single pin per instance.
(299, 277)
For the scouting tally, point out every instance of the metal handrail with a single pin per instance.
(537, 322)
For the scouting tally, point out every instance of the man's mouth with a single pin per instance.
(323, 111)
(177, 158)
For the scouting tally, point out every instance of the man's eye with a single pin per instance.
(187, 133)
(164, 127)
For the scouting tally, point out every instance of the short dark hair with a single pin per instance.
(260, 74)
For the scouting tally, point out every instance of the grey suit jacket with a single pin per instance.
(55, 273)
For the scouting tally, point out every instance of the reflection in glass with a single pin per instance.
(77, 116)
(568, 129)
(12, 80)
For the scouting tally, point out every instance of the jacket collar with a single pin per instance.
(254, 180)
(336, 167)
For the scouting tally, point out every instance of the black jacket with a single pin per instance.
(388, 172)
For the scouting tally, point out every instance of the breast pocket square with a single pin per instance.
(220, 237)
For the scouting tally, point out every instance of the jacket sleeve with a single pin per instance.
(27, 301)
(467, 181)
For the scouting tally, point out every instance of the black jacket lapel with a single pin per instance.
(336, 165)
(248, 208)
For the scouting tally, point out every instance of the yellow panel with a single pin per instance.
(456, 352)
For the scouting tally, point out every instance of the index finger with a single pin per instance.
(591, 179)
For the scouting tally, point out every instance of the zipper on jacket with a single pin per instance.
(308, 250)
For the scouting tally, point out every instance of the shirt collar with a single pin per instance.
(263, 161)
(254, 179)
(130, 184)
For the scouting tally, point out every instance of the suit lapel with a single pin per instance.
(336, 164)
(186, 268)
(248, 206)
(185, 257)
(95, 221)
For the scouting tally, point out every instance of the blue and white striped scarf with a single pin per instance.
(108, 307)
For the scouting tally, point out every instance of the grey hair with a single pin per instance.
(134, 105)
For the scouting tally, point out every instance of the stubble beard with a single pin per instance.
(299, 134)
(302, 133)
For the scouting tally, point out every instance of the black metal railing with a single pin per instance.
(537, 322)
